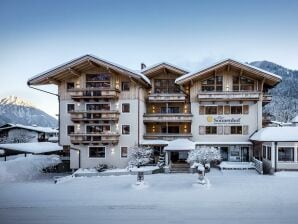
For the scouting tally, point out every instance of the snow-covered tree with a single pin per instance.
(139, 155)
(203, 155)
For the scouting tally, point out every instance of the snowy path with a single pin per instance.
(233, 197)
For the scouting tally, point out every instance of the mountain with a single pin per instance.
(284, 105)
(16, 110)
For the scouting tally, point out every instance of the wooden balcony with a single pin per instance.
(267, 98)
(89, 116)
(163, 117)
(167, 136)
(94, 138)
(167, 97)
(93, 93)
(228, 95)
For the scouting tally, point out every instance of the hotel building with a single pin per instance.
(105, 108)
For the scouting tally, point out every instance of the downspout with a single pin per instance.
(276, 155)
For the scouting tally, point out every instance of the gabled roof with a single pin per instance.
(246, 67)
(276, 134)
(166, 65)
(31, 128)
(80, 62)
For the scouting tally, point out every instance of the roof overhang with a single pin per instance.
(162, 66)
(74, 67)
(270, 78)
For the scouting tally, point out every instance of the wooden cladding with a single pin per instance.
(224, 130)
(226, 109)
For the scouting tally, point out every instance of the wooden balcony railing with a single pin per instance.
(94, 115)
(170, 117)
(95, 138)
(167, 97)
(166, 136)
(228, 95)
(93, 93)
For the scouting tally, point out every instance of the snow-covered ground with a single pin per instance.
(233, 196)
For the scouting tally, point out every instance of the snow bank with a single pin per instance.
(26, 168)
(236, 165)
(286, 174)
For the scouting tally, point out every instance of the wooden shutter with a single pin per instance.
(227, 130)
(227, 109)
(202, 110)
(220, 109)
(219, 130)
(202, 130)
(245, 129)
(245, 109)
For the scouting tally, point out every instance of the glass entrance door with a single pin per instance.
(244, 154)
(224, 151)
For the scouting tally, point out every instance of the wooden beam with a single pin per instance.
(74, 72)
(262, 84)
(54, 81)
(94, 64)
(228, 68)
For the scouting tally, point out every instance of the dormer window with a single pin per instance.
(243, 83)
(212, 84)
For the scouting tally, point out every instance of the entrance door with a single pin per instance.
(244, 154)
(224, 151)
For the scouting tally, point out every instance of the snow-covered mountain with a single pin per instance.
(284, 105)
(16, 110)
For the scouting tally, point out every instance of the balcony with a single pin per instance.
(170, 117)
(167, 97)
(167, 136)
(267, 98)
(229, 95)
(89, 116)
(93, 93)
(94, 138)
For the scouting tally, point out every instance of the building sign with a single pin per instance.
(223, 120)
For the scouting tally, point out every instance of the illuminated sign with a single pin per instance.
(223, 120)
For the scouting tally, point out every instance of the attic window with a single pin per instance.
(212, 84)
(243, 83)
(70, 85)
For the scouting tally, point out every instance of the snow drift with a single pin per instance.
(26, 168)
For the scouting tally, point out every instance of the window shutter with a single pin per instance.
(220, 110)
(227, 109)
(245, 129)
(245, 109)
(227, 130)
(201, 130)
(202, 110)
(219, 130)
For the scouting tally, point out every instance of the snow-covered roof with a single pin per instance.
(32, 128)
(154, 142)
(180, 144)
(52, 72)
(276, 134)
(32, 147)
(164, 64)
(188, 76)
(223, 143)
(295, 119)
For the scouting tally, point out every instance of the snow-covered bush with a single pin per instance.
(204, 155)
(26, 168)
(139, 155)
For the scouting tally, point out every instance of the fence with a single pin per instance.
(258, 165)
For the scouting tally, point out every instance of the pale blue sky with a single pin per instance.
(37, 35)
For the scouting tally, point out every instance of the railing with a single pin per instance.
(95, 138)
(94, 115)
(229, 95)
(173, 117)
(166, 136)
(267, 98)
(93, 93)
(258, 165)
(165, 97)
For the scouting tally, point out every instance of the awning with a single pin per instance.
(180, 145)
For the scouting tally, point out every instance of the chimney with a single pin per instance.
(143, 66)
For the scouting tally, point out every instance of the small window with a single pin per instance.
(70, 85)
(124, 152)
(125, 107)
(125, 129)
(211, 130)
(211, 110)
(97, 152)
(286, 154)
(264, 152)
(70, 129)
(70, 107)
(125, 86)
(236, 109)
(269, 153)
(236, 130)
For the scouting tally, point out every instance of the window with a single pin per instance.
(243, 83)
(98, 106)
(170, 129)
(70, 107)
(125, 129)
(97, 128)
(236, 109)
(70, 85)
(70, 129)
(124, 152)
(212, 84)
(165, 86)
(169, 110)
(264, 151)
(125, 107)
(269, 153)
(211, 110)
(125, 86)
(98, 80)
(97, 152)
(211, 130)
(285, 154)
(236, 130)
